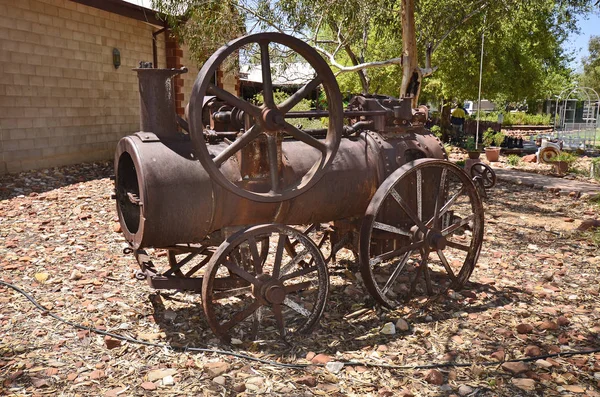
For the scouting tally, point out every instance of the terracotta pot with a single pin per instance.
(492, 153)
(474, 154)
(560, 167)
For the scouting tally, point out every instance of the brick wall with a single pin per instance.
(61, 99)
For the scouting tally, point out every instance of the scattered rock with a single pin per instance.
(515, 368)
(111, 342)
(464, 390)
(157, 374)
(543, 364)
(310, 355)
(307, 380)
(334, 366)
(402, 325)
(254, 383)
(219, 380)
(530, 158)
(320, 359)
(148, 386)
(563, 321)
(216, 368)
(524, 383)
(588, 224)
(168, 381)
(548, 325)
(498, 355)
(532, 351)
(524, 328)
(388, 329)
(435, 377)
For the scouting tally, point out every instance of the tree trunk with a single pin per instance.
(411, 74)
(362, 74)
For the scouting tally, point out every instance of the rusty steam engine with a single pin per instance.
(251, 207)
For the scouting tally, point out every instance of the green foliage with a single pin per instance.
(304, 104)
(567, 157)
(591, 65)
(437, 131)
(515, 118)
(513, 159)
(470, 144)
(460, 163)
(492, 138)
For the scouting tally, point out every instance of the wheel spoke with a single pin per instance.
(420, 194)
(425, 266)
(407, 210)
(292, 101)
(233, 268)
(299, 273)
(297, 287)
(458, 246)
(278, 255)
(240, 316)
(447, 266)
(413, 284)
(396, 272)
(294, 261)
(390, 228)
(273, 162)
(237, 145)
(391, 254)
(256, 258)
(448, 204)
(233, 100)
(279, 318)
(296, 307)
(265, 63)
(304, 137)
(455, 226)
(230, 293)
(439, 197)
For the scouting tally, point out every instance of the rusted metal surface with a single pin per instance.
(243, 172)
(426, 209)
(157, 103)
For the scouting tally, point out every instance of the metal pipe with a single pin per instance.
(154, 49)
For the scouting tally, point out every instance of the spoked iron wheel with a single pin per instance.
(246, 295)
(486, 173)
(422, 232)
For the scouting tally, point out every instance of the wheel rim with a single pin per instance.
(269, 120)
(422, 232)
(487, 174)
(246, 294)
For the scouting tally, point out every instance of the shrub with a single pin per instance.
(565, 156)
(460, 163)
(492, 138)
(513, 160)
(470, 144)
(437, 131)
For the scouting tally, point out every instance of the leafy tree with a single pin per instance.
(390, 45)
(591, 65)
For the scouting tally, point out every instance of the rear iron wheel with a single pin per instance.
(422, 232)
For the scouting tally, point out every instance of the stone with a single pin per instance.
(168, 381)
(588, 224)
(388, 329)
(515, 368)
(402, 325)
(543, 364)
(320, 359)
(310, 355)
(307, 380)
(434, 377)
(532, 351)
(464, 390)
(111, 343)
(524, 383)
(254, 383)
(217, 368)
(524, 328)
(550, 325)
(530, 158)
(160, 374)
(219, 380)
(170, 315)
(334, 366)
(562, 321)
(498, 355)
(148, 386)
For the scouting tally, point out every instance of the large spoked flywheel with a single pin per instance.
(422, 232)
(266, 124)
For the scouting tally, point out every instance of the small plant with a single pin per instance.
(595, 168)
(566, 157)
(437, 131)
(469, 144)
(492, 138)
(448, 148)
(513, 160)
(461, 163)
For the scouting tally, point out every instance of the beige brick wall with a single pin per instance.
(61, 99)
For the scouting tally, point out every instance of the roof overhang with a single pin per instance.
(128, 10)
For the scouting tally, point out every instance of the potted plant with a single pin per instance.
(562, 162)
(471, 149)
(491, 142)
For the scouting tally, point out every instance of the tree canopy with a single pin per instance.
(591, 66)
(363, 41)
